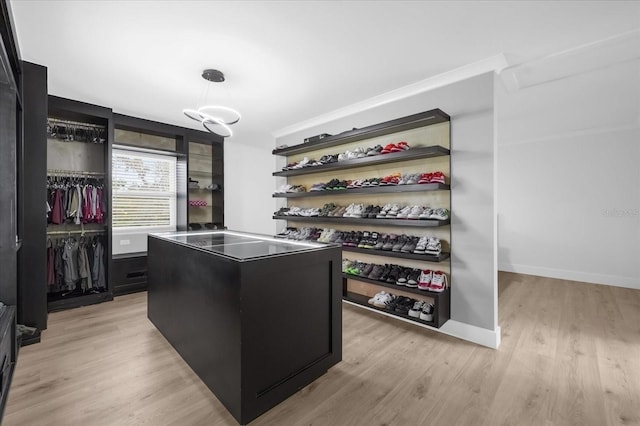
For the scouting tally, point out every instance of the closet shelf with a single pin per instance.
(414, 121)
(418, 223)
(58, 304)
(397, 287)
(388, 253)
(368, 190)
(363, 301)
(412, 154)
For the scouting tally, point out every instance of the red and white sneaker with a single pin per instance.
(437, 177)
(438, 282)
(402, 146)
(425, 178)
(425, 279)
(389, 148)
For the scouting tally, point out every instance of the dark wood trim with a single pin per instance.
(77, 301)
(414, 121)
(32, 261)
(9, 49)
(68, 109)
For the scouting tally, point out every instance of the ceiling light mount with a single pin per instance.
(214, 118)
(213, 75)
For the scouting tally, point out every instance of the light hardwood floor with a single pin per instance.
(570, 355)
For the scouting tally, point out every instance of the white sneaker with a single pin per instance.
(433, 246)
(402, 214)
(349, 210)
(393, 211)
(427, 312)
(376, 297)
(426, 213)
(416, 310)
(415, 212)
(440, 214)
(383, 300)
(422, 245)
(439, 282)
(425, 279)
(383, 211)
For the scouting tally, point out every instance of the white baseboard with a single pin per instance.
(612, 280)
(471, 333)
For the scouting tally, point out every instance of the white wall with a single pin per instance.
(248, 204)
(569, 177)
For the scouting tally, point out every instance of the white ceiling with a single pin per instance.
(285, 61)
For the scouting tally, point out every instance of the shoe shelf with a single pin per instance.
(384, 189)
(414, 223)
(414, 121)
(363, 301)
(412, 154)
(397, 287)
(389, 253)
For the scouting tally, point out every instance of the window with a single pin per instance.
(144, 192)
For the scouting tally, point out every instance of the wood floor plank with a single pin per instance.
(570, 355)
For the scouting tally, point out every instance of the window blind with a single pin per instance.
(144, 190)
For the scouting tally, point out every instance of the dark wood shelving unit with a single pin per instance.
(384, 189)
(414, 121)
(364, 301)
(442, 301)
(413, 223)
(411, 154)
(388, 253)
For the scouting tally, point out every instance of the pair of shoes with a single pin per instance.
(428, 245)
(422, 310)
(380, 299)
(393, 179)
(375, 150)
(435, 177)
(438, 214)
(395, 147)
(433, 281)
(317, 187)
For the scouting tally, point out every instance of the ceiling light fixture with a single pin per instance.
(214, 118)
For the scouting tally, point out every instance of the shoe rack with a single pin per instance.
(428, 135)
(205, 187)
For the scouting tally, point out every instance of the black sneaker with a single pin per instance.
(385, 273)
(402, 277)
(410, 245)
(403, 305)
(367, 270)
(413, 278)
(377, 272)
(382, 240)
(364, 239)
(373, 240)
(374, 212)
(394, 274)
(393, 239)
(402, 240)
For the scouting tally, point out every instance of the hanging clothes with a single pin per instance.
(75, 266)
(75, 200)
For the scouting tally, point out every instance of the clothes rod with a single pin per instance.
(52, 172)
(58, 122)
(77, 231)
